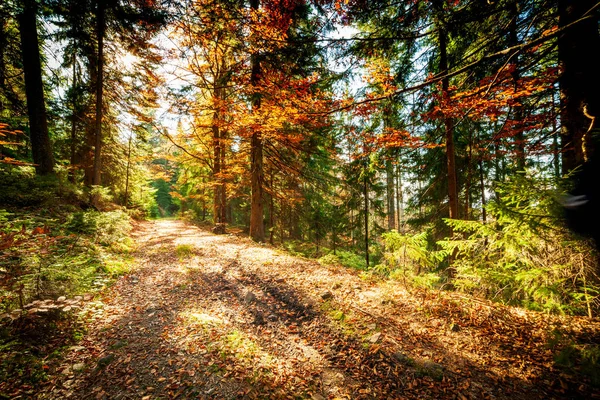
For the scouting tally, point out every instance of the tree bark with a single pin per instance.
(216, 172)
(257, 225)
(391, 198)
(272, 210)
(73, 139)
(449, 131)
(219, 136)
(482, 188)
(90, 125)
(366, 195)
(100, 28)
(127, 173)
(399, 199)
(41, 147)
(518, 113)
(579, 81)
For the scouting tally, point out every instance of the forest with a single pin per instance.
(299, 199)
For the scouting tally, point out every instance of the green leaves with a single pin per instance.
(523, 255)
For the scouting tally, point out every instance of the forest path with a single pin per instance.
(219, 317)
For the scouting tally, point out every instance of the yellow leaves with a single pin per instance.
(176, 195)
(380, 77)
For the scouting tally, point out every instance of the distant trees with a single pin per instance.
(253, 91)
(441, 103)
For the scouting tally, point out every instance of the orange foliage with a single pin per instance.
(494, 99)
(5, 131)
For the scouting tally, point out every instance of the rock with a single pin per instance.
(258, 319)
(32, 304)
(76, 348)
(403, 358)
(67, 309)
(375, 337)
(61, 299)
(78, 367)
(249, 297)
(327, 295)
(119, 344)
(219, 229)
(104, 361)
(434, 370)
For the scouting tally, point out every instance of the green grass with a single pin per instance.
(184, 251)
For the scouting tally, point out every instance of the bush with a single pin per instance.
(44, 258)
(409, 258)
(524, 255)
(352, 260)
(107, 227)
(22, 188)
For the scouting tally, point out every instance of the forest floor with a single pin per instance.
(209, 316)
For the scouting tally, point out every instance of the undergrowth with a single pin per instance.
(522, 255)
(45, 253)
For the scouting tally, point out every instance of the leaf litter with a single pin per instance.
(228, 318)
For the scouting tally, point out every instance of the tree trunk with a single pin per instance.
(74, 101)
(518, 109)
(449, 131)
(271, 211)
(555, 138)
(399, 196)
(220, 190)
(257, 225)
(391, 198)
(41, 147)
(469, 179)
(223, 199)
(216, 172)
(90, 128)
(482, 188)
(127, 172)
(366, 195)
(100, 28)
(579, 81)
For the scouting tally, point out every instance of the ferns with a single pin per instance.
(522, 256)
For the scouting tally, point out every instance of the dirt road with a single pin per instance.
(220, 317)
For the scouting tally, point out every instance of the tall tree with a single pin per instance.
(579, 80)
(41, 147)
(100, 31)
(257, 226)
